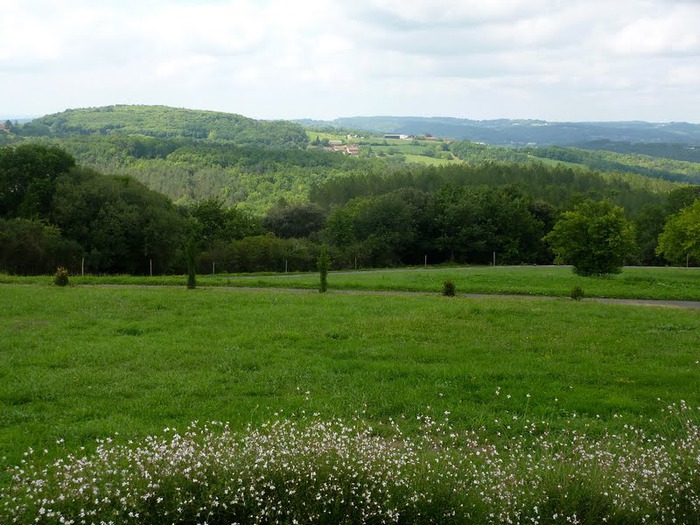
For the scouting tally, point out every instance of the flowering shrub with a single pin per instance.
(332, 472)
(60, 277)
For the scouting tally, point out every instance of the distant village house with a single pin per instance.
(338, 146)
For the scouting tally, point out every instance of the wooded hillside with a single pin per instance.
(271, 194)
(163, 121)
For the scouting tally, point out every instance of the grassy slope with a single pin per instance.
(429, 161)
(81, 363)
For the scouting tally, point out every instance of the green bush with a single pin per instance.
(577, 293)
(448, 289)
(191, 254)
(60, 278)
(324, 263)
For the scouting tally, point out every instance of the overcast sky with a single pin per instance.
(558, 60)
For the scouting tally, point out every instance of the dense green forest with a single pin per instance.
(125, 188)
(642, 164)
(665, 150)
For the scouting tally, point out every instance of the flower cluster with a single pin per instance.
(311, 471)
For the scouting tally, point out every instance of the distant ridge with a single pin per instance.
(164, 121)
(507, 132)
(19, 120)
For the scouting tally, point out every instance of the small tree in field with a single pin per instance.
(191, 249)
(191, 258)
(577, 293)
(449, 289)
(324, 263)
(594, 237)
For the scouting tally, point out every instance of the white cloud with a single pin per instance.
(555, 59)
(670, 31)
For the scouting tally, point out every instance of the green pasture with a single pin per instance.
(430, 161)
(81, 363)
(414, 153)
(312, 135)
(555, 281)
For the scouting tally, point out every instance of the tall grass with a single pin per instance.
(331, 472)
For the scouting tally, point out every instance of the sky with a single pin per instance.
(556, 60)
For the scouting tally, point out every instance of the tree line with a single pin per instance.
(55, 212)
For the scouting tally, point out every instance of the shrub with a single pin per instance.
(448, 289)
(60, 278)
(324, 263)
(577, 293)
(191, 257)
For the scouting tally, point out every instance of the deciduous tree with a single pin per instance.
(28, 176)
(680, 239)
(594, 237)
(294, 221)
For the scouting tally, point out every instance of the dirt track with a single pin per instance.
(634, 302)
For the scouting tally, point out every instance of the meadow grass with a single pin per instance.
(430, 161)
(669, 283)
(79, 364)
(555, 281)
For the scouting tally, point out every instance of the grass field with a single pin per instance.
(429, 161)
(80, 363)
(555, 281)
(632, 283)
(85, 363)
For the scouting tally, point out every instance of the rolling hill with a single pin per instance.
(167, 122)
